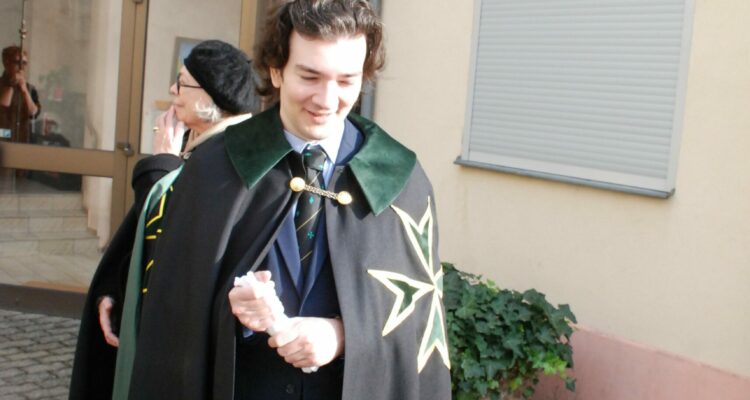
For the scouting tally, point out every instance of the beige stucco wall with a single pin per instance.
(673, 274)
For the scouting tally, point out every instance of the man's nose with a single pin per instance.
(327, 95)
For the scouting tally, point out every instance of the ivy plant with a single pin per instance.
(501, 340)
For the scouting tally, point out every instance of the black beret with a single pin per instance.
(225, 73)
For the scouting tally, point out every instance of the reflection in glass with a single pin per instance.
(49, 227)
(71, 47)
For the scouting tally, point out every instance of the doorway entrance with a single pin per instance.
(99, 72)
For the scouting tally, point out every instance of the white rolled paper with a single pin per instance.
(281, 321)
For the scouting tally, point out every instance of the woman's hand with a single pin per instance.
(168, 134)
(105, 321)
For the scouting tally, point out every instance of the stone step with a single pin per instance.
(42, 221)
(40, 201)
(61, 243)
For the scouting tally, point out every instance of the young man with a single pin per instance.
(327, 206)
(19, 101)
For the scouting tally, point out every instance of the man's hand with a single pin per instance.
(169, 133)
(20, 80)
(255, 306)
(310, 341)
(105, 314)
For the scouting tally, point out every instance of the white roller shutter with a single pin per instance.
(587, 91)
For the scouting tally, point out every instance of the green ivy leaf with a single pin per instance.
(500, 340)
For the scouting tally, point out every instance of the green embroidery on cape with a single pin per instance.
(434, 337)
(407, 292)
(420, 236)
(422, 240)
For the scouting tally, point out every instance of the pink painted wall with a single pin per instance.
(608, 368)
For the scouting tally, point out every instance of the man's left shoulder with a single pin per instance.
(380, 140)
(383, 166)
(417, 193)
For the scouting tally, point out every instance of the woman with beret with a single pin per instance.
(213, 90)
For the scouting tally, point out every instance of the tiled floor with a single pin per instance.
(64, 270)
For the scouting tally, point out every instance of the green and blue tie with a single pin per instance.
(310, 205)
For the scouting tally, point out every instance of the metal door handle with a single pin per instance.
(126, 148)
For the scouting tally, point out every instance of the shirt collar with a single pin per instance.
(330, 144)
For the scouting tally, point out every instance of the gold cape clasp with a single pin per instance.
(298, 184)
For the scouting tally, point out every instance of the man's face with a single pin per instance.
(15, 64)
(319, 84)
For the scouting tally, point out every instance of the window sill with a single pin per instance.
(566, 179)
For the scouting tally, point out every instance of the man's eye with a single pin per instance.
(345, 83)
(308, 78)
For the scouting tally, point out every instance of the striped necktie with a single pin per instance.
(309, 205)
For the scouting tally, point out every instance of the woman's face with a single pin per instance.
(185, 99)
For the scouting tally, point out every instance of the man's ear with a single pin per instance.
(276, 77)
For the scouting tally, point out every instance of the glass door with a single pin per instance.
(98, 74)
(59, 163)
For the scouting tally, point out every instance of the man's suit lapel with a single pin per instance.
(287, 243)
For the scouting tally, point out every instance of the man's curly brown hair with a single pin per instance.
(10, 54)
(317, 19)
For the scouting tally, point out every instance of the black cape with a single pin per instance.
(228, 204)
(94, 362)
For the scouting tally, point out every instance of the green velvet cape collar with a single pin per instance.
(382, 166)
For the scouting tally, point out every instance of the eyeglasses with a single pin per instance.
(181, 85)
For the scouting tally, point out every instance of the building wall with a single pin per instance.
(10, 23)
(670, 274)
